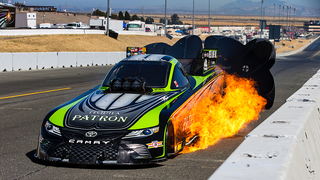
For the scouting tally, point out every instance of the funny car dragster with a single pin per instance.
(128, 118)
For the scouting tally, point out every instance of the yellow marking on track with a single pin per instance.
(314, 55)
(40, 92)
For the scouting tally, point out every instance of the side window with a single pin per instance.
(179, 79)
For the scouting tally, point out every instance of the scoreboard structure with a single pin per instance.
(312, 26)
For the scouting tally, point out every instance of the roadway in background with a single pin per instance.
(21, 118)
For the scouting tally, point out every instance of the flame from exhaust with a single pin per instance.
(219, 115)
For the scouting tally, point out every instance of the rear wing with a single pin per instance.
(253, 60)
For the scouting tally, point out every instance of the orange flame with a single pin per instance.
(9, 16)
(218, 114)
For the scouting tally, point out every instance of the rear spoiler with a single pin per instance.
(253, 60)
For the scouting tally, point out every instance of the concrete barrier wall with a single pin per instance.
(100, 58)
(285, 146)
(6, 62)
(114, 57)
(31, 32)
(24, 61)
(47, 60)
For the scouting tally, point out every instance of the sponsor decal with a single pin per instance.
(41, 139)
(164, 98)
(104, 113)
(158, 89)
(112, 118)
(175, 83)
(155, 144)
(80, 141)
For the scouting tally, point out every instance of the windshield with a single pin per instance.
(133, 25)
(71, 24)
(155, 74)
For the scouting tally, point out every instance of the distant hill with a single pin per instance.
(239, 7)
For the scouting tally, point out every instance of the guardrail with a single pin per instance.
(47, 60)
(284, 146)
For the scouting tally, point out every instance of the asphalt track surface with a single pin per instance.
(21, 117)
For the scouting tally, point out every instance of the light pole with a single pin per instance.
(274, 14)
(279, 13)
(282, 22)
(287, 16)
(193, 20)
(143, 12)
(209, 19)
(165, 18)
(108, 11)
(294, 16)
(245, 17)
(261, 20)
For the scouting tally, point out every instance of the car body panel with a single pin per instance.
(131, 117)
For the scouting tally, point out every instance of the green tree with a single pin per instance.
(168, 21)
(114, 16)
(179, 22)
(142, 19)
(161, 20)
(175, 19)
(120, 16)
(127, 16)
(98, 13)
(149, 20)
(134, 17)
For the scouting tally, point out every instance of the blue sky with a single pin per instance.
(199, 4)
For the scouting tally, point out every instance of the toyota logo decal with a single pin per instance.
(91, 134)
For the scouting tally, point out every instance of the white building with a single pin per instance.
(26, 20)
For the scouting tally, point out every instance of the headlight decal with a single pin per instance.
(52, 129)
(142, 133)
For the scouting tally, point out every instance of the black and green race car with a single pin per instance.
(128, 119)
